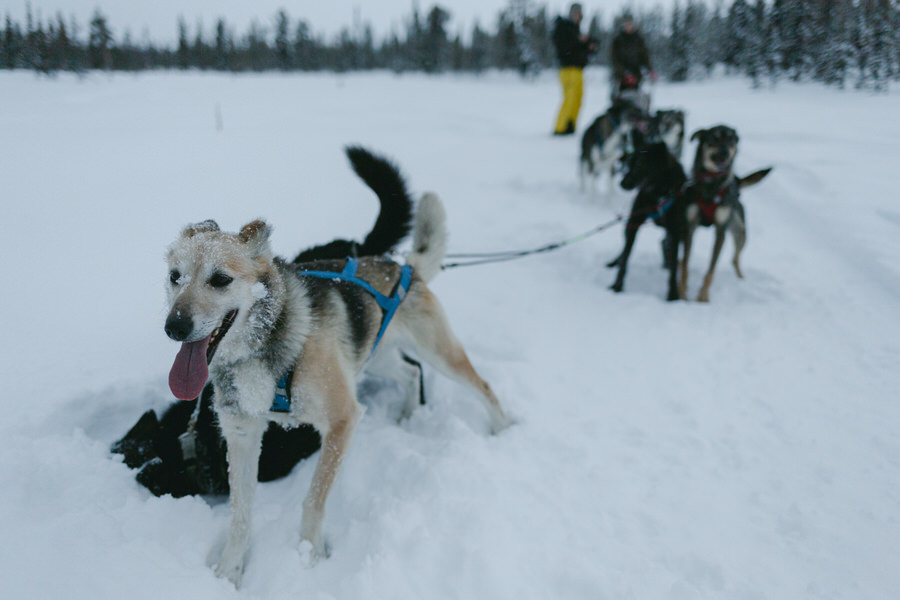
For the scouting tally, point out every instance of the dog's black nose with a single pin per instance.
(178, 327)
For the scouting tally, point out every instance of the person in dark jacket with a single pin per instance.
(630, 57)
(573, 50)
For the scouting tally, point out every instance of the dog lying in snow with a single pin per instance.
(183, 452)
(285, 344)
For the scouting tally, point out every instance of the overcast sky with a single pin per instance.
(158, 18)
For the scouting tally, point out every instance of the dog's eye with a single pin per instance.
(174, 276)
(220, 280)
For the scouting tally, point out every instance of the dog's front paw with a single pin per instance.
(231, 565)
(231, 570)
(617, 287)
(310, 555)
(703, 296)
(499, 424)
(673, 296)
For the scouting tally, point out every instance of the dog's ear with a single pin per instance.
(195, 228)
(256, 235)
(698, 134)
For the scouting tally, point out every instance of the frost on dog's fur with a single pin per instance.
(264, 317)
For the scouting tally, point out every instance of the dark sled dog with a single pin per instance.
(267, 332)
(659, 178)
(713, 199)
(183, 452)
(668, 126)
(605, 141)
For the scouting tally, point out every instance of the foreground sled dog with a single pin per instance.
(260, 322)
(713, 199)
(183, 451)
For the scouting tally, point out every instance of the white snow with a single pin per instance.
(744, 449)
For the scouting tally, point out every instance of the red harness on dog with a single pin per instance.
(708, 207)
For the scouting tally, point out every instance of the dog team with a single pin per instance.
(271, 349)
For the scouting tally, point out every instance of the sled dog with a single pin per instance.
(182, 452)
(659, 179)
(713, 199)
(668, 127)
(284, 343)
(604, 142)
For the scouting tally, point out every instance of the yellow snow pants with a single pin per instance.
(573, 88)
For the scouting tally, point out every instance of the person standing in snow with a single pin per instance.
(573, 50)
(630, 58)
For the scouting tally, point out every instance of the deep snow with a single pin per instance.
(745, 449)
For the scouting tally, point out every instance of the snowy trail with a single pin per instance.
(741, 449)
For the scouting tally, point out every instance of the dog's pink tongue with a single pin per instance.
(190, 371)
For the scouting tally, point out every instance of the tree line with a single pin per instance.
(838, 42)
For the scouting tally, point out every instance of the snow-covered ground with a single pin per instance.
(744, 449)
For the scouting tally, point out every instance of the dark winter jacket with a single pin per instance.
(629, 54)
(570, 50)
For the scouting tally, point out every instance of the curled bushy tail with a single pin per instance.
(394, 219)
(386, 181)
(429, 237)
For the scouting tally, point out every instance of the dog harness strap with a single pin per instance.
(665, 203)
(394, 302)
(389, 304)
(282, 401)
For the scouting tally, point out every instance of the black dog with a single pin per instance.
(713, 199)
(659, 178)
(183, 452)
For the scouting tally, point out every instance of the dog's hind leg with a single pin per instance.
(406, 371)
(243, 436)
(739, 231)
(584, 169)
(437, 344)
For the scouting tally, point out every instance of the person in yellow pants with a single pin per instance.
(573, 50)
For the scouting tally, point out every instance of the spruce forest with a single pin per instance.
(845, 43)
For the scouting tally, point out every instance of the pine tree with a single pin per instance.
(757, 45)
(184, 50)
(737, 27)
(435, 45)
(506, 43)
(100, 41)
(282, 42)
(678, 46)
(480, 49)
(199, 51)
(880, 56)
(305, 51)
(61, 45)
(10, 48)
(221, 51)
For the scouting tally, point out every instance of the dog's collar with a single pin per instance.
(389, 304)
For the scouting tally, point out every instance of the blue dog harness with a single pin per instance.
(282, 401)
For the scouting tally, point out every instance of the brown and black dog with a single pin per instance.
(713, 199)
